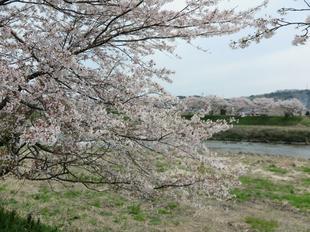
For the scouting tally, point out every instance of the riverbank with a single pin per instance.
(266, 134)
(273, 196)
(263, 129)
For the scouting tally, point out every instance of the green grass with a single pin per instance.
(260, 188)
(136, 212)
(306, 182)
(44, 195)
(106, 213)
(155, 220)
(261, 225)
(299, 201)
(72, 194)
(305, 169)
(9, 201)
(169, 208)
(155, 216)
(11, 222)
(161, 166)
(266, 134)
(305, 121)
(273, 168)
(273, 121)
(3, 188)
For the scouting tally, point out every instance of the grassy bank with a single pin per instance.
(269, 129)
(273, 196)
(266, 134)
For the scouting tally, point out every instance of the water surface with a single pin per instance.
(302, 151)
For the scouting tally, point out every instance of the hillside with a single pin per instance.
(302, 95)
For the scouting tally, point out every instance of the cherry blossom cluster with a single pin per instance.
(297, 18)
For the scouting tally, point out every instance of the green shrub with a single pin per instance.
(11, 222)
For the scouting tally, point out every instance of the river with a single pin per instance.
(301, 151)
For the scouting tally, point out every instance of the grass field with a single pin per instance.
(274, 195)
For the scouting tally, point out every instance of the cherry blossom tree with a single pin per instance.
(195, 104)
(269, 106)
(241, 106)
(207, 105)
(292, 107)
(263, 105)
(268, 26)
(79, 97)
(244, 106)
(217, 105)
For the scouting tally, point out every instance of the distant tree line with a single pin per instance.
(242, 106)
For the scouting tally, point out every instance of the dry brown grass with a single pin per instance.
(74, 208)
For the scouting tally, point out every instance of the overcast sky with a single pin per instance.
(273, 64)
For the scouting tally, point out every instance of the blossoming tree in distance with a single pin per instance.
(79, 98)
